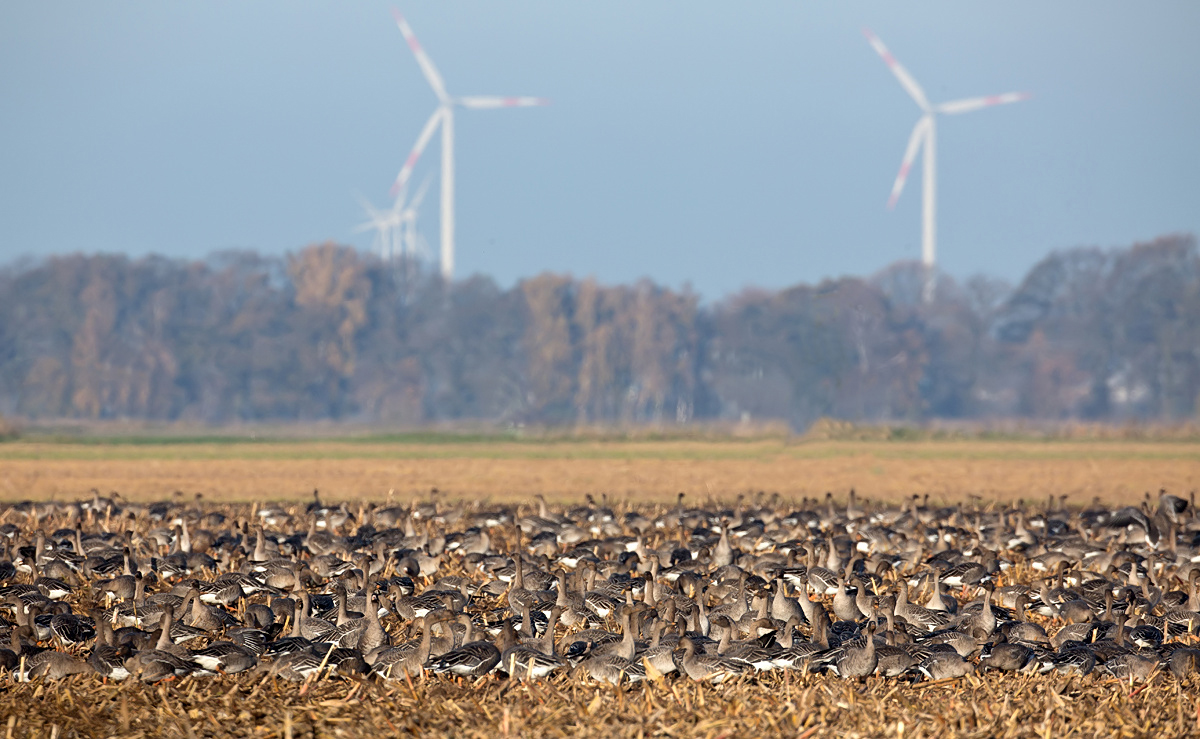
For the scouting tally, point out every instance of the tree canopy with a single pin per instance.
(331, 333)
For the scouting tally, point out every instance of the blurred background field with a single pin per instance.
(505, 468)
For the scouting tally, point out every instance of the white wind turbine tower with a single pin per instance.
(406, 217)
(444, 116)
(384, 223)
(925, 133)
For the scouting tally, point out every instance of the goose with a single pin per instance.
(851, 661)
(1076, 610)
(407, 659)
(529, 661)
(1079, 661)
(199, 614)
(226, 657)
(1184, 662)
(574, 612)
(348, 630)
(286, 645)
(981, 622)
(962, 643)
(165, 661)
(52, 665)
(314, 629)
(143, 609)
(625, 647)
(155, 665)
(1073, 633)
(18, 645)
(844, 604)
(893, 661)
(965, 574)
(1006, 596)
(416, 606)
(226, 592)
(586, 641)
(52, 587)
(373, 636)
(1006, 656)
(342, 661)
(938, 602)
(595, 599)
(1021, 630)
(708, 668)
(121, 587)
(945, 665)
(612, 668)
(470, 660)
(751, 652)
(449, 632)
(107, 660)
(294, 666)
(783, 607)
(1130, 667)
(474, 658)
(821, 580)
(798, 656)
(660, 653)
(251, 639)
(1052, 598)
(258, 615)
(864, 599)
(71, 629)
(916, 615)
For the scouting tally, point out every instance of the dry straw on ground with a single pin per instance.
(769, 705)
(784, 706)
(646, 471)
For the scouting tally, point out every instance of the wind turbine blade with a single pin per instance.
(398, 202)
(416, 201)
(422, 141)
(371, 210)
(432, 76)
(906, 80)
(494, 101)
(971, 104)
(914, 145)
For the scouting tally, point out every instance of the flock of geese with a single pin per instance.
(168, 590)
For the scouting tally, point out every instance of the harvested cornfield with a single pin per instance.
(764, 603)
(804, 706)
(644, 471)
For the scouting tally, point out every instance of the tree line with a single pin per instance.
(332, 333)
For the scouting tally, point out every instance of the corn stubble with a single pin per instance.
(790, 705)
(770, 704)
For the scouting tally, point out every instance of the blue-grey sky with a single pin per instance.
(723, 144)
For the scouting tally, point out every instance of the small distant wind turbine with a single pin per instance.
(925, 133)
(444, 116)
(396, 228)
(384, 223)
(411, 240)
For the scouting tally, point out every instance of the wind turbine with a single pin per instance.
(384, 223)
(443, 116)
(411, 242)
(396, 226)
(925, 133)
